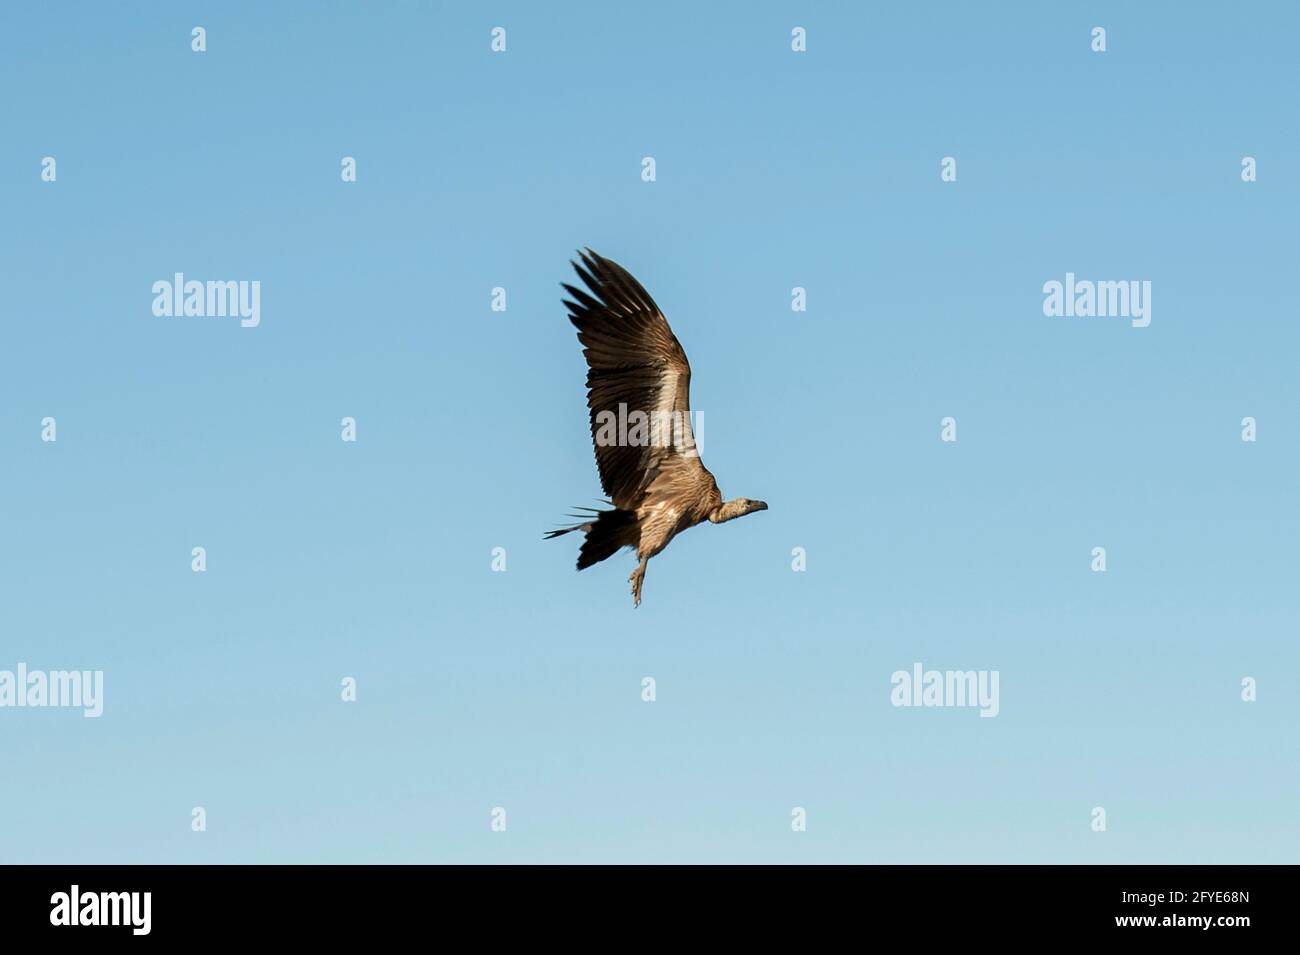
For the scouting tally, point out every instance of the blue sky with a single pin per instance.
(521, 689)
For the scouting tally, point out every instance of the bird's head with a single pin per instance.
(730, 510)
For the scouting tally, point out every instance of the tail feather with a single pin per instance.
(566, 530)
(610, 531)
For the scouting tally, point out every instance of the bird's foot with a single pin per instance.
(637, 577)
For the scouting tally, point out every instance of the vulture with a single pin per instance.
(638, 393)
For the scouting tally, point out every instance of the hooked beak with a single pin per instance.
(760, 505)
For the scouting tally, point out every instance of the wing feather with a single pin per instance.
(634, 362)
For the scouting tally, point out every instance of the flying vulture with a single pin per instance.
(638, 392)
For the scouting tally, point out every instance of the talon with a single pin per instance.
(638, 576)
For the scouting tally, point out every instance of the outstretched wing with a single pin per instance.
(634, 363)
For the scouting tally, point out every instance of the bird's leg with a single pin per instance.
(636, 579)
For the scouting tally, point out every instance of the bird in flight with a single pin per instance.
(638, 393)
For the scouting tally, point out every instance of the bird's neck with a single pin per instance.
(727, 511)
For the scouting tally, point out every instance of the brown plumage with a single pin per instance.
(652, 474)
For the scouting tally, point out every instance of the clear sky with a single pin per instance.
(523, 689)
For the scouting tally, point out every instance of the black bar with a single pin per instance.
(192, 904)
